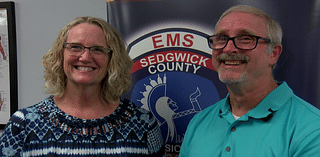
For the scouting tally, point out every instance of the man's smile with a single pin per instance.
(233, 62)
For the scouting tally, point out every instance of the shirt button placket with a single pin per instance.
(228, 148)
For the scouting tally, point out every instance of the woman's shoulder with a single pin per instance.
(32, 111)
(27, 116)
(138, 112)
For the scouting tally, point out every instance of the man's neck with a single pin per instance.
(246, 96)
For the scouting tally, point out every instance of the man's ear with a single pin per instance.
(275, 54)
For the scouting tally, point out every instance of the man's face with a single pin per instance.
(231, 67)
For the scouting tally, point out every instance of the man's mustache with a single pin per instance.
(225, 56)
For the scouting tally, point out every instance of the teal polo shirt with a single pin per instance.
(282, 125)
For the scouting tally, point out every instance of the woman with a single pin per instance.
(86, 71)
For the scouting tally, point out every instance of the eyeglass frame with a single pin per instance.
(109, 50)
(234, 43)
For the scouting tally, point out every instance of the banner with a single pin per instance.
(172, 73)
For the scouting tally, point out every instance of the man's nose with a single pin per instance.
(230, 47)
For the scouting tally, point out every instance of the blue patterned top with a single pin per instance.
(45, 130)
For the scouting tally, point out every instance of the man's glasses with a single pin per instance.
(78, 49)
(243, 42)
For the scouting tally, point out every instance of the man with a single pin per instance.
(259, 116)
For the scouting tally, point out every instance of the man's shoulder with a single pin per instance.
(303, 116)
(295, 104)
(305, 108)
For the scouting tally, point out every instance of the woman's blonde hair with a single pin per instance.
(117, 80)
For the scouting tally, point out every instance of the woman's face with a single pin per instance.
(85, 68)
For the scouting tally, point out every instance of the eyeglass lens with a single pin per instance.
(241, 42)
(78, 49)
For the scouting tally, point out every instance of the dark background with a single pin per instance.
(300, 20)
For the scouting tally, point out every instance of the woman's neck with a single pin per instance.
(84, 103)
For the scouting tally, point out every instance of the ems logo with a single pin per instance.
(173, 78)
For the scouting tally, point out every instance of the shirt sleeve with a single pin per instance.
(12, 139)
(310, 146)
(185, 146)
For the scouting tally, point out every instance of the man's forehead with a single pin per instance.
(241, 23)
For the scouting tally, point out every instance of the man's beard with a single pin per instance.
(232, 80)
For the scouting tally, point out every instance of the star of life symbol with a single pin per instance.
(165, 107)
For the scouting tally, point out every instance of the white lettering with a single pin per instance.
(179, 55)
(174, 66)
(174, 57)
(173, 148)
(203, 60)
(195, 69)
(143, 62)
(180, 66)
(152, 72)
(169, 57)
(163, 67)
(194, 61)
(160, 58)
(151, 60)
(187, 64)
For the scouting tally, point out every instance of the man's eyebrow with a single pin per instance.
(239, 32)
(221, 32)
(246, 32)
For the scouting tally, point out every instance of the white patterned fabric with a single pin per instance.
(45, 130)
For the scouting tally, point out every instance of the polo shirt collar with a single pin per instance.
(271, 103)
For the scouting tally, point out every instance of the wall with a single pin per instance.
(38, 23)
